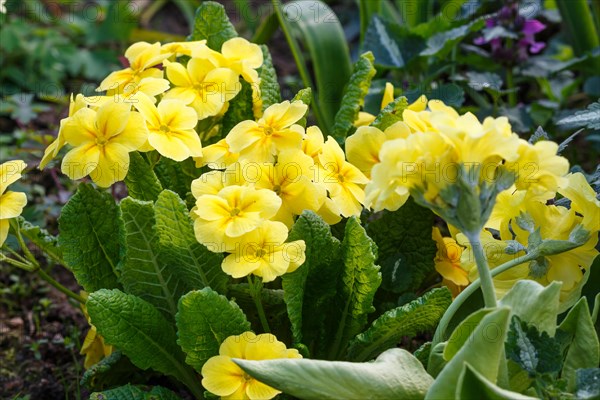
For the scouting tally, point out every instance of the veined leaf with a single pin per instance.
(240, 108)
(111, 371)
(322, 35)
(473, 385)
(147, 270)
(177, 239)
(141, 332)
(309, 291)
(304, 95)
(91, 228)
(396, 374)
(441, 43)
(482, 351)
(130, 392)
(391, 114)
(205, 319)
(142, 183)
(177, 176)
(212, 24)
(386, 331)
(406, 250)
(393, 45)
(360, 280)
(270, 92)
(354, 96)
(41, 238)
(584, 349)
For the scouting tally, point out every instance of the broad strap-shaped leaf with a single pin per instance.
(205, 319)
(41, 238)
(130, 392)
(309, 291)
(141, 332)
(270, 92)
(482, 351)
(462, 333)
(393, 45)
(359, 281)
(90, 228)
(396, 374)
(149, 270)
(584, 349)
(354, 96)
(142, 183)
(391, 114)
(406, 250)
(535, 304)
(473, 385)
(385, 332)
(213, 25)
(177, 240)
(240, 108)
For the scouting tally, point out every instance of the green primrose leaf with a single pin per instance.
(270, 92)
(391, 114)
(473, 385)
(111, 371)
(130, 392)
(240, 108)
(142, 183)
(205, 319)
(212, 24)
(90, 237)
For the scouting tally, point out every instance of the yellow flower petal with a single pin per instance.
(4, 227)
(221, 376)
(113, 165)
(10, 172)
(11, 204)
(80, 161)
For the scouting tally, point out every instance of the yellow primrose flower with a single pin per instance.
(275, 131)
(343, 180)
(142, 56)
(236, 210)
(217, 156)
(151, 87)
(189, 49)
(539, 169)
(94, 348)
(263, 252)
(366, 119)
(313, 142)
(171, 128)
(290, 179)
(202, 85)
(243, 57)
(11, 203)
(222, 377)
(54, 147)
(584, 200)
(102, 142)
(362, 148)
(447, 262)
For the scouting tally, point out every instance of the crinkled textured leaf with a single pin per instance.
(584, 349)
(309, 291)
(177, 239)
(142, 183)
(391, 114)
(535, 352)
(213, 25)
(240, 108)
(114, 370)
(473, 385)
(177, 176)
(535, 304)
(387, 331)
(589, 118)
(354, 96)
(270, 92)
(304, 95)
(151, 269)
(482, 351)
(406, 250)
(130, 392)
(139, 330)
(360, 280)
(393, 45)
(91, 228)
(205, 319)
(396, 374)
(41, 238)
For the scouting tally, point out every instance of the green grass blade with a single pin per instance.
(578, 21)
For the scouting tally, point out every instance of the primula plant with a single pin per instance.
(257, 255)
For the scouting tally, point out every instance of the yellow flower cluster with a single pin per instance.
(435, 148)
(265, 173)
(222, 377)
(11, 203)
(154, 103)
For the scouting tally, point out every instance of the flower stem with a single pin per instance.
(510, 84)
(485, 276)
(45, 276)
(255, 291)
